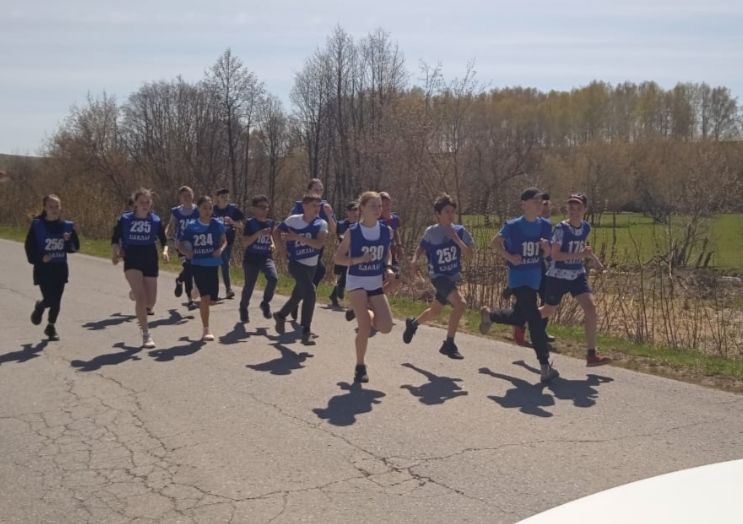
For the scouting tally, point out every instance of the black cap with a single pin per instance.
(531, 193)
(578, 197)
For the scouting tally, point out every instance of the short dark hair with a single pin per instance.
(185, 189)
(545, 196)
(222, 191)
(352, 206)
(257, 199)
(312, 182)
(530, 193)
(442, 201)
(306, 199)
(384, 195)
(203, 199)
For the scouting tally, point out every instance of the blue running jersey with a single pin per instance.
(204, 240)
(137, 231)
(378, 249)
(50, 244)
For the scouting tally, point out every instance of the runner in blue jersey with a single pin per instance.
(519, 332)
(180, 217)
(231, 217)
(365, 251)
(48, 241)
(315, 187)
(524, 242)
(258, 257)
(567, 272)
(202, 243)
(352, 216)
(444, 244)
(302, 237)
(134, 239)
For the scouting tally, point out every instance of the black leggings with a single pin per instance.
(52, 298)
(186, 277)
(320, 272)
(304, 290)
(525, 311)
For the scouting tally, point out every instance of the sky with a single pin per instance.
(53, 54)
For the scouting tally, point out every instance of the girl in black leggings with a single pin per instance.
(48, 241)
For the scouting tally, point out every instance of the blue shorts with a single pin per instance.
(443, 286)
(555, 288)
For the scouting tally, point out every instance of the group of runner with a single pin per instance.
(542, 262)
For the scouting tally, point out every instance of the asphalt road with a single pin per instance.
(258, 428)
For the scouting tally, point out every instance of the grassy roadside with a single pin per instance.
(690, 366)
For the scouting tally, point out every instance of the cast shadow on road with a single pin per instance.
(174, 319)
(529, 398)
(285, 364)
(239, 334)
(114, 320)
(437, 390)
(189, 348)
(343, 409)
(109, 359)
(27, 352)
(583, 393)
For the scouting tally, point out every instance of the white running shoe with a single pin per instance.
(208, 336)
(147, 341)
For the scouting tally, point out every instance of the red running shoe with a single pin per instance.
(596, 360)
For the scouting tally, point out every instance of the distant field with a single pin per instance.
(617, 234)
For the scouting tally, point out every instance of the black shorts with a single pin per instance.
(339, 270)
(206, 279)
(443, 286)
(142, 258)
(555, 288)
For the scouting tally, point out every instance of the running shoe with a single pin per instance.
(485, 321)
(350, 315)
(308, 339)
(411, 326)
(550, 338)
(594, 359)
(178, 287)
(548, 373)
(229, 294)
(280, 323)
(147, 341)
(192, 305)
(244, 318)
(150, 311)
(51, 332)
(359, 374)
(208, 336)
(37, 313)
(266, 308)
(295, 313)
(451, 350)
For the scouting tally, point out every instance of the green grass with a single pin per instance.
(685, 365)
(616, 235)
